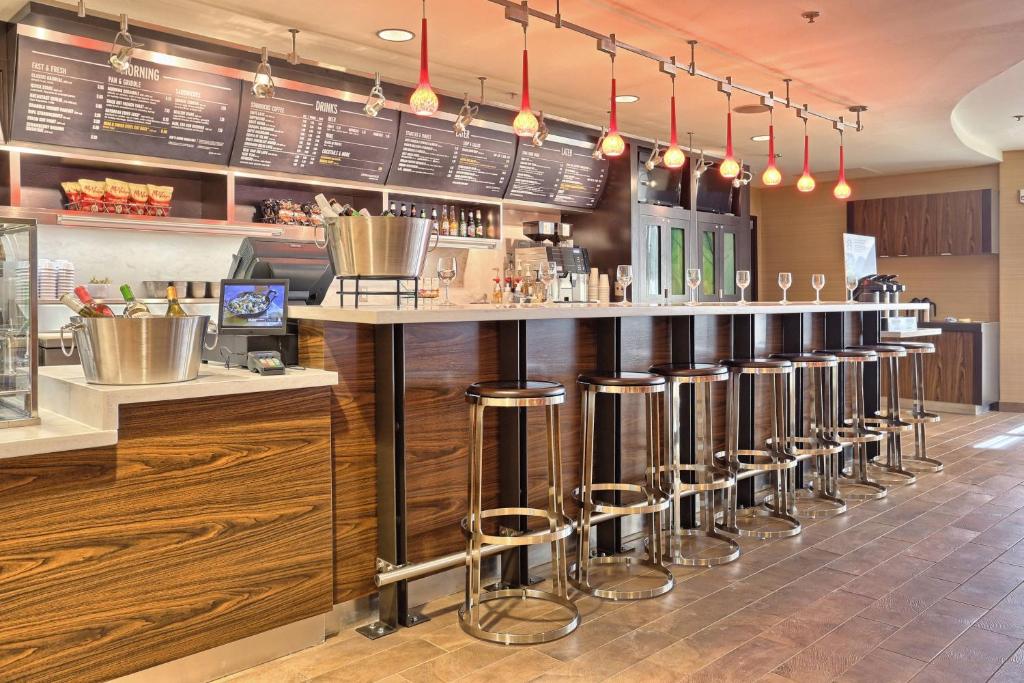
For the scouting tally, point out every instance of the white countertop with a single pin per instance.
(379, 315)
(76, 414)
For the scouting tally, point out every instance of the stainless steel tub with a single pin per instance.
(138, 350)
(377, 245)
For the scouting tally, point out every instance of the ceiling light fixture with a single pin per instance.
(760, 138)
(122, 49)
(423, 101)
(81, 9)
(729, 168)
(293, 56)
(542, 132)
(842, 189)
(395, 35)
(525, 124)
(263, 80)
(597, 153)
(655, 157)
(613, 145)
(810, 15)
(771, 176)
(468, 111)
(674, 156)
(376, 101)
(806, 182)
(626, 99)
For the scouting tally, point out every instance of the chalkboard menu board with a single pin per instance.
(558, 173)
(301, 132)
(430, 155)
(69, 96)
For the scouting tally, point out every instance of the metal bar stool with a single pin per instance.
(853, 431)
(815, 440)
(703, 545)
(888, 421)
(516, 394)
(917, 415)
(775, 459)
(652, 499)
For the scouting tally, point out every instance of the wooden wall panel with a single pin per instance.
(208, 522)
(952, 373)
(712, 335)
(645, 342)
(767, 341)
(947, 223)
(441, 360)
(348, 350)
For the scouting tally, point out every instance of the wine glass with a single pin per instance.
(818, 282)
(693, 282)
(851, 286)
(785, 282)
(548, 272)
(447, 268)
(743, 281)
(624, 274)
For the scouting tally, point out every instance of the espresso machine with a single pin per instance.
(877, 288)
(551, 241)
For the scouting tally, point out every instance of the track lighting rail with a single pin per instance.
(608, 43)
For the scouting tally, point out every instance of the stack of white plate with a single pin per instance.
(46, 283)
(65, 277)
(21, 290)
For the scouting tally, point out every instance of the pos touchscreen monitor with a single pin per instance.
(253, 307)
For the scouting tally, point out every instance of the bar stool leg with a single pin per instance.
(556, 511)
(655, 546)
(473, 559)
(868, 488)
(586, 491)
(894, 444)
(920, 461)
(732, 437)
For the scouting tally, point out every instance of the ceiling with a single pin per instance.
(910, 62)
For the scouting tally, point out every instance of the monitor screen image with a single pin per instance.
(253, 306)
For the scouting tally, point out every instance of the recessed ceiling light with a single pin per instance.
(751, 108)
(395, 35)
(626, 99)
(760, 138)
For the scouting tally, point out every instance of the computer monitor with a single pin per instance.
(253, 307)
(306, 266)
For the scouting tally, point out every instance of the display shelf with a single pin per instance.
(910, 334)
(468, 242)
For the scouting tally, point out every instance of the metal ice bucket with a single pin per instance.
(138, 350)
(381, 246)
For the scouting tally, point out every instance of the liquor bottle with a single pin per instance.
(133, 308)
(338, 208)
(76, 305)
(392, 211)
(412, 212)
(423, 213)
(485, 226)
(83, 294)
(434, 225)
(471, 225)
(174, 309)
(403, 213)
(462, 223)
(453, 223)
(442, 227)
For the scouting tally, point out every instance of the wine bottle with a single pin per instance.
(471, 225)
(443, 227)
(403, 213)
(133, 308)
(392, 211)
(76, 305)
(412, 211)
(174, 309)
(83, 294)
(462, 223)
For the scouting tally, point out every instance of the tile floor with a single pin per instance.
(924, 585)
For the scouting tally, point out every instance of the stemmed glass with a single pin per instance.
(851, 286)
(785, 282)
(818, 282)
(447, 268)
(548, 270)
(624, 274)
(743, 281)
(693, 282)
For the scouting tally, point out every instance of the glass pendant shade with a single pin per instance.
(729, 167)
(674, 156)
(525, 123)
(842, 189)
(806, 182)
(263, 80)
(613, 144)
(771, 176)
(424, 100)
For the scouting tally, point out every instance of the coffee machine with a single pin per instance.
(551, 241)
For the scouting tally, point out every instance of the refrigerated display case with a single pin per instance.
(18, 324)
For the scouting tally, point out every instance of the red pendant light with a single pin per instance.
(842, 189)
(525, 123)
(729, 168)
(674, 156)
(806, 182)
(613, 144)
(424, 100)
(771, 176)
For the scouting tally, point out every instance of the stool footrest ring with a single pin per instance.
(710, 477)
(813, 445)
(508, 638)
(563, 529)
(655, 502)
(760, 460)
(851, 435)
(884, 423)
(613, 594)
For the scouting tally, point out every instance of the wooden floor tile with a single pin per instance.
(933, 630)
(384, 663)
(974, 656)
(888, 576)
(941, 543)
(990, 585)
(882, 665)
(524, 664)
(840, 650)
(963, 563)
(1012, 670)
(902, 605)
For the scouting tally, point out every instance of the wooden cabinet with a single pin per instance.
(946, 224)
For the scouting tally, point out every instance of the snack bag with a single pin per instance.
(116, 196)
(160, 200)
(72, 193)
(138, 197)
(92, 195)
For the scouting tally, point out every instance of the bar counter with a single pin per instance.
(401, 425)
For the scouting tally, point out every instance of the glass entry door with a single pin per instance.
(724, 248)
(664, 251)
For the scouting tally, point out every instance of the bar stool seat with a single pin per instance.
(557, 527)
(652, 498)
(692, 372)
(775, 459)
(818, 443)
